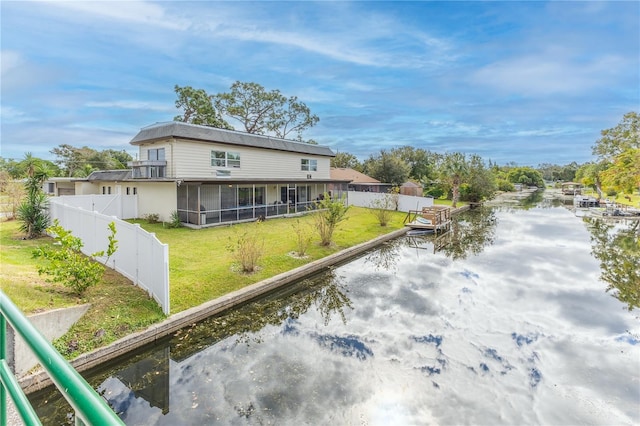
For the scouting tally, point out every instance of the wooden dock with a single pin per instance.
(435, 218)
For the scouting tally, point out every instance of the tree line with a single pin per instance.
(458, 176)
(469, 178)
(69, 161)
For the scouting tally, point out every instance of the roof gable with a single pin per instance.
(353, 175)
(182, 130)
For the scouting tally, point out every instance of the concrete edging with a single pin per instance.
(193, 315)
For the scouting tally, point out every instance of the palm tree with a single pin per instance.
(29, 164)
(454, 170)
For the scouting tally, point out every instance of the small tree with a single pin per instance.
(32, 212)
(247, 248)
(303, 239)
(67, 264)
(329, 213)
(383, 208)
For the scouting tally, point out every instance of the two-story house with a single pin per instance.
(211, 176)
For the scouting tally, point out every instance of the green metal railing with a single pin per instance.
(90, 408)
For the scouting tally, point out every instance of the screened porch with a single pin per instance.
(201, 203)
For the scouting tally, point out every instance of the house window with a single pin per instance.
(51, 188)
(259, 195)
(156, 172)
(135, 190)
(245, 196)
(104, 190)
(156, 154)
(308, 165)
(233, 159)
(109, 190)
(225, 159)
(128, 191)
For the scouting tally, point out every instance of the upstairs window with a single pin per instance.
(225, 159)
(307, 165)
(156, 154)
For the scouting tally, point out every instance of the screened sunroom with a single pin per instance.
(208, 204)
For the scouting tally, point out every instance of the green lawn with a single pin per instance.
(201, 269)
(117, 307)
(620, 198)
(201, 264)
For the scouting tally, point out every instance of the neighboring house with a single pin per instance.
(359, 181)
(210, 176)
(58, 186)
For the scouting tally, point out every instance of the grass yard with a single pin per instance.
(446, 202)
(117, 307)
(634, 200)
(620, 198)
(202, 266)
(201, 269)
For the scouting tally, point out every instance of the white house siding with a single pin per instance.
(157, 198)
(86, 188)
(192, 159)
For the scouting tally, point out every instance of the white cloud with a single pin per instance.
(337, 49)
(17, 73)
(14, 115)
(131, 104)
(544, 75)
(454, 126)
(338, 31)
(139, 12)
(10, 61)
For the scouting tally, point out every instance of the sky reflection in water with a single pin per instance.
(522, 332)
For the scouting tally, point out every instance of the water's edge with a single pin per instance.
(173, 323)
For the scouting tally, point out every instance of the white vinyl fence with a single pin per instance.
(405, 202)
(119, 205)
(141, 257)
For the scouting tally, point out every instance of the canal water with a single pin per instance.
(510, 318)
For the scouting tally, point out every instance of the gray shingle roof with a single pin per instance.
(178, 129)
(110, 175)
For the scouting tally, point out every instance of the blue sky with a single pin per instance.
(527, 82)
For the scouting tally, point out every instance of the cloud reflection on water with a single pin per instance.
(519, 332)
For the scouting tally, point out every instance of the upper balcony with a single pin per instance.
(148, 169)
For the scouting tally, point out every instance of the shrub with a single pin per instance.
(33, 211)
(612, 193)
(175, 221)
(247, 248)
(382, 208)
(303, 239)
(505, 185)
(33, 215)
(435, 192)
(152, 217)
(66, 263)
(329, 213)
